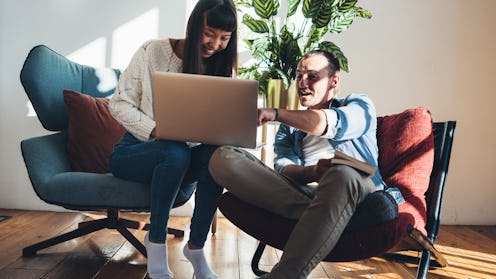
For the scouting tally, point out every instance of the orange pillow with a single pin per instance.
(91, 133)
(406, 156)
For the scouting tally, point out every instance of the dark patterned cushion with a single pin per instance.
(377, 208)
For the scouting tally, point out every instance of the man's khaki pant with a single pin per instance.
(321, 219)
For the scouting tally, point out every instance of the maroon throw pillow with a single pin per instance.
(91, 133)
(406, 156)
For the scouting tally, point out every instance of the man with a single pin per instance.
(306, 185)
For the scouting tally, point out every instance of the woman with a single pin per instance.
(168, 166)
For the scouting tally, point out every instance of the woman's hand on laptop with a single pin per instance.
(153, 134)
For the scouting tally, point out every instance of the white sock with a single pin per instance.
(157, 266)
(200, 265)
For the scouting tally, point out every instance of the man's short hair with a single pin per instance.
(331, 58)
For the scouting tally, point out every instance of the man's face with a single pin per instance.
(314, 83)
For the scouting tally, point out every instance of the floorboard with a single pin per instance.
(105, 254)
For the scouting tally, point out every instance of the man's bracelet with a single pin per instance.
(277, 114)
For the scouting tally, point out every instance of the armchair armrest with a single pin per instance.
(45, 156)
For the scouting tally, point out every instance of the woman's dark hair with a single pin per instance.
(221, 14)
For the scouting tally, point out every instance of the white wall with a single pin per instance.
(436, 54)
(440, 55)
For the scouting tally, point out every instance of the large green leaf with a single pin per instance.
(248, 73)
(345, 5)
(305, 9)
(255, 25)
(292, 7)
(248, 42)
(323, 15)
(361, 12)
(260, 48)
(341, 21)
(244, 3)
(289, 53)
(285, 36)
(314, 36)
(266, 8)
(311, 7)
(273, 47)
(331, 47)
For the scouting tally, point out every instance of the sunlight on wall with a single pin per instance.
(30, 109)
(108, 79)
(92, 54)
(189, 8)
(124, 42)
(127, 38)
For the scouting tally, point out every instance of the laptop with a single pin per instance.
(205, 109)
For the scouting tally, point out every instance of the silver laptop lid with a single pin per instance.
(205, 109)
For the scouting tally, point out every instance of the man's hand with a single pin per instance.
(321, 168)
(308, 174)
(266, 115)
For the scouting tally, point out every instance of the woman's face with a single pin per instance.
(213, 40)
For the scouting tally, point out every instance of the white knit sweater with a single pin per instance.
(131, 104)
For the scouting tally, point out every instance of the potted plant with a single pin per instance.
(277, 42)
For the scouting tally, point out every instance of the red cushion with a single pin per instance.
(408, 164)
(92, 132)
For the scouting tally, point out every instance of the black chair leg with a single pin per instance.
(255, 261)
(89, 227)
(112, 221)
(409, 259)
(131, 224)
(424, 263)
(175, 232)
(131, 238)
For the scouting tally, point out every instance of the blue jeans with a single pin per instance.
(172, 169)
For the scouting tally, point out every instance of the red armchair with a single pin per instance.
(414, 156)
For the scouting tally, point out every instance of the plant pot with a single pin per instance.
(280, 97)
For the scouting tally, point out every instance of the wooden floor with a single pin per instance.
(470, 251)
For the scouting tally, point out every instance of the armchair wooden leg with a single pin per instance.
(214, 223)
(263, 152)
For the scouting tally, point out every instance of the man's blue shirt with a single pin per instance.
(351, 129)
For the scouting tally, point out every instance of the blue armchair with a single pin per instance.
(44, 76)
